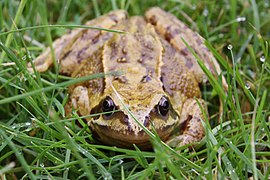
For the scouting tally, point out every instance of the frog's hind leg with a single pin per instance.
(191, 117)
(70, 49)
(173, 30)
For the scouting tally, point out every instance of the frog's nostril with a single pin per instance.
(127, 122)
(125, 118)
(146, 120)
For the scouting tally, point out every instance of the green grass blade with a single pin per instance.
(56, 86)
(16, 20)
(50, 26)
(18, 154)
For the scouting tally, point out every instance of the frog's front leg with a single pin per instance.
(191, 125)
(79, 100)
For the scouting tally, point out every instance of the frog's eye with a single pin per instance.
(163, 106)
(108, 106)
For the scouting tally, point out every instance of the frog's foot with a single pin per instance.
(193, 130)
(181, 140)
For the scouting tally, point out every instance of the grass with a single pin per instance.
(36, 143)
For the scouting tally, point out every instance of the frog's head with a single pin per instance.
(125, 106)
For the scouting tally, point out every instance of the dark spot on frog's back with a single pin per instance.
(95, 39)
(115, 18)
(96, 85)
(146, 78)
(66, 54)
(122, 79)
(145, 56)
(140, 60)
(184, 51)
(124, 50)
(171, 32)
(199, 41)
(90, 35)
(149, 46)
(114, 49)
(80, 54)
(113, 45)
(153, 20)
(189, 64)
(121, 60)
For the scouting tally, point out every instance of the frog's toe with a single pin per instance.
(182, 140)
(192, 129)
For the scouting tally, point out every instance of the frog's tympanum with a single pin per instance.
(159, 81)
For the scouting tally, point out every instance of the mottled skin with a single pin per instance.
(155, 64)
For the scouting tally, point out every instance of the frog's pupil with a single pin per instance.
(163, 106)
(108, 105)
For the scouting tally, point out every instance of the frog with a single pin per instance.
(159, 84)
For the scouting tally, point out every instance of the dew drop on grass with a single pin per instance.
(121, 161)
(24, 58)
(107, 176)
(205, 12)
(240, 19)
(28, 124)
(12, 164)
(29, 56)
(206, 172)
(247, 86)
(84, 152)
(262, 59)
(230, 47)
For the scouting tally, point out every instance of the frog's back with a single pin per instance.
(137, 52)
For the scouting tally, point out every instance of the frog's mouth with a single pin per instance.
(118, 131)
(127, 139)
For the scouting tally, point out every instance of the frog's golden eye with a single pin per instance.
(108, 106)
(163, 106)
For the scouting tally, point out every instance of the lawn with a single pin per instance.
(37, 140)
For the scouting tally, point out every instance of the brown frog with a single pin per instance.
(160, 77)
